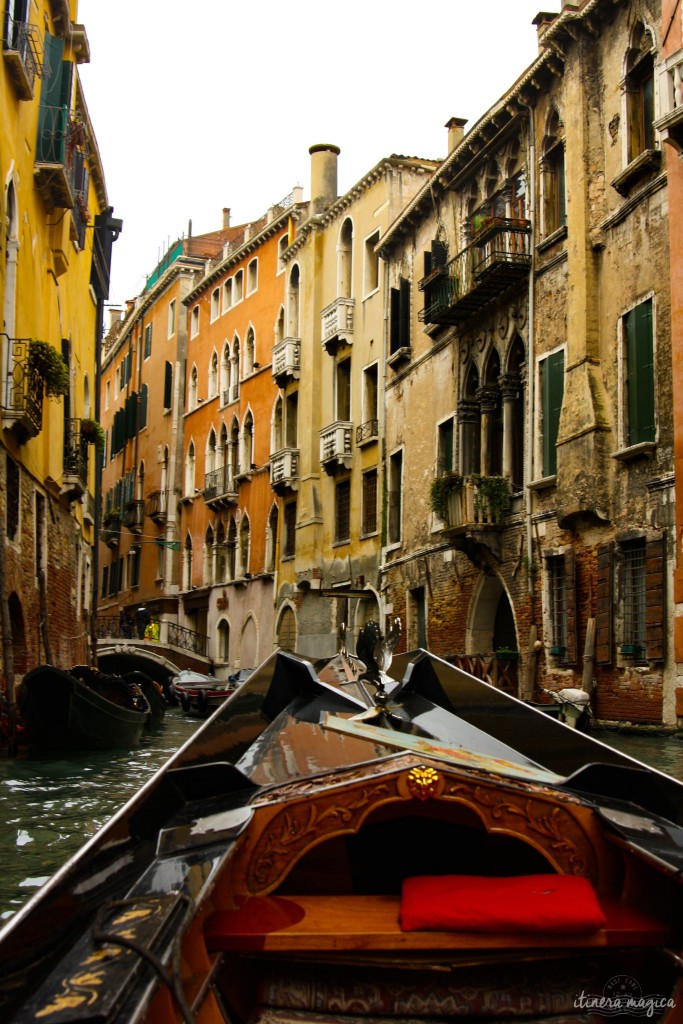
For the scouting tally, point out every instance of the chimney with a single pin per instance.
(456, 131)
(541, 21)
(323, 176)
(115, 317)
(226, 216)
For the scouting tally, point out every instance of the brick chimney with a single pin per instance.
(456, 131)
(323, 176)
(226, 216)
(542, 20)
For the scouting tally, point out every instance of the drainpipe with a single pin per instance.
(533, 631)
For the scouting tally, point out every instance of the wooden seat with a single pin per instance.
(299, 923)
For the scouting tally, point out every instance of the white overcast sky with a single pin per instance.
(215, 103)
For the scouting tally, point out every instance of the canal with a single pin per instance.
(49, 807)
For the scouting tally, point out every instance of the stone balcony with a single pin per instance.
(284, 470)
(336, 443)
(670, 84)
(337, 324)
(286, 361)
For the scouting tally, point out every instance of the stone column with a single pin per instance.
(488, 402)
(510, 388)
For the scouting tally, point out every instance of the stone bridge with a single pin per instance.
(163, 650)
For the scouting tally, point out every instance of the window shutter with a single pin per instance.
(552, 393)
(404, 339)
(394, 312)
(640, 374)
(604, 634)
(131, 415)
(655, 593)
(142, 412)
(168, 386)
(570, 606)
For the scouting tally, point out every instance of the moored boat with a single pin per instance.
(200, 694)
(312, 853)
(81, 709)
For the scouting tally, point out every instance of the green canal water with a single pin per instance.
(49, 807)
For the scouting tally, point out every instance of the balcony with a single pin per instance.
(367, 433)
(58, 139)
(670, 123)
(337, 324)
(22, 403)
(284, 470)
(111, 529)
(21, 49)
(475, 513)
(499, 256)
(134, 515)
(75, 468)
(219, 488)
(335, 446)
(155, 508)
(286, 361)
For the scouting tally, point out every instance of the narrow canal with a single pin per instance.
(49, 807)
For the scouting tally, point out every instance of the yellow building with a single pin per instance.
(327, 461)
(54, 277)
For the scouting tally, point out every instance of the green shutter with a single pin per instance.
(640, 374)
(552, 393)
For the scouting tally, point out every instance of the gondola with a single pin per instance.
(81, 709)
(392, 843)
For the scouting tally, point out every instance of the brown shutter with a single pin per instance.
(655, 563)
(604, 634)
(570, 599)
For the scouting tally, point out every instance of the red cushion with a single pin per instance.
(524, 903)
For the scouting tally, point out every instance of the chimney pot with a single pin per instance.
(542, 20)
(323, 175)
(226, 216)
(456, 131)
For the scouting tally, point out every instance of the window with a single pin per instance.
(642, 597)
(435, 284)
(281, 249)
(343, 389)
(289, 538)
(292, 420)
(633, 598)
(215, 304)
(293, 303)
(192, 397)
(148, 341)
(446, 446)
(552, 394)
(134, 567)
(371, 267)
(395, 495)
(252, 276)
(213, 376)
(369, 503)
(639, 375)
(238, 287)
(224, 642)
(171, 317)
(345, 260)
(553, 177)
(13, 484)
(194, 322)
(249, 346)
(168, 385)
(107, 395)
(142, 407)
(187, 563)
(227, 294)
(105, 581)
(342, 512)
(190, 470)
(639, 87)
(418, 610)
(561, 595)
(370, 392)
(399, 324)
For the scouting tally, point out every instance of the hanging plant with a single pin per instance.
(493, 497)
(441, 487)
(48, 363)
(93, 433)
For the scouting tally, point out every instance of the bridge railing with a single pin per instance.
(115, 627)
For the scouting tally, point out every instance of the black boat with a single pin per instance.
(81, 709)
(400, 844)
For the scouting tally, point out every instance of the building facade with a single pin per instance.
(535, 506)
(54, 276)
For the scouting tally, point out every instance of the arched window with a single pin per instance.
(192, 396)
(639, 90)
(164, 480)
(248, 443)
(513, 415)
(231, 549)
(213, 376)
(190, 470)
(210, 455)
(293, 303)
(220, 560)
(187, 563)
(235, 370)
(249, 346)
(277, 436)
(225, 374)
(492, 417)
(345, 260)
(245, 531)
(271, 539)
(280, 326)
(469, 424)
(553, 176)
(208, 558)
(223, 636)
(140, 495)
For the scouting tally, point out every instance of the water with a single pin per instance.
(49, 807)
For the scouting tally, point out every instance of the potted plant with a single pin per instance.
(440, 493)
(48, 364)
(492, 497)
(93, 433)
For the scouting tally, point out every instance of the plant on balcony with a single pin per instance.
(492, 497)
(48, 363)
(441, 487)
(93, 433)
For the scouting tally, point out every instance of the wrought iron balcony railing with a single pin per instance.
(286, 361)
(367, 432)
(188, 639)
(220, 489)
(61, 146)
(336, 442)
(22, 50)
(337, 323)
(284, 470)
(23, 391)
(498, 256)
(75, 468)
(111, 529)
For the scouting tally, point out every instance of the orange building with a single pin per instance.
(228, 522)
(670, 126)
(142, 394)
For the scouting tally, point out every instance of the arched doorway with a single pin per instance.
(286, 631)
(492, 621)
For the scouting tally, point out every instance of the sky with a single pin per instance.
(215, 104)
